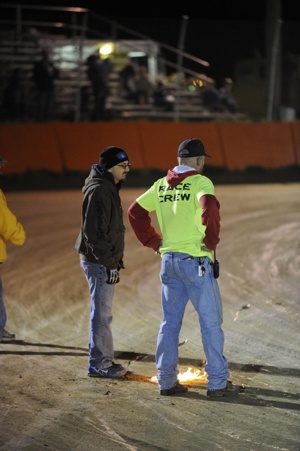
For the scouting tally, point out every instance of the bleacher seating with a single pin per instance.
(22, 52)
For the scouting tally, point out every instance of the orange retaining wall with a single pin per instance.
(150, 145)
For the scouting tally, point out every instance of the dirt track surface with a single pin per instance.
(47, 400)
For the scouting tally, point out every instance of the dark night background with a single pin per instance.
(220, 32)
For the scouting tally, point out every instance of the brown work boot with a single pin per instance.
(178, 388)
(229, 390)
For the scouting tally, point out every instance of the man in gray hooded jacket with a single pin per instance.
(100, 245)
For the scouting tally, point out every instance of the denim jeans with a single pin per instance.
(101, 350)
(180, 282)
(3, 317)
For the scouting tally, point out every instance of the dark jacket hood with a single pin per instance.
(96, 176)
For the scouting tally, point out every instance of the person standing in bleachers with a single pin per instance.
(44, 75)
(98, 72)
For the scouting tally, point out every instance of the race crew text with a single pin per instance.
(168, 194)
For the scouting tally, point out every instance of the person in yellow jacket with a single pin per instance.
(10, 230)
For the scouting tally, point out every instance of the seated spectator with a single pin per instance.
(127, 81)
(227, 98)
(211, 97)
(144, 87)
(162, 97)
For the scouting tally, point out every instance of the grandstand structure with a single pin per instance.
(25, 30)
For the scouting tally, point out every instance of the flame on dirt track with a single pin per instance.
(191, 375)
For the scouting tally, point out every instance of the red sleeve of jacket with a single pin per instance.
(140, 222)
(211, 219)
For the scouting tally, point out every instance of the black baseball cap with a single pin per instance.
(192, 147)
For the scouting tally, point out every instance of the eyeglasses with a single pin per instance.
(124, 166)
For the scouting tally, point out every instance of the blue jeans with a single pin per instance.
(180, 282)
(3, 317)
(101, 350)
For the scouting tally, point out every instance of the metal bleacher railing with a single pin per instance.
(26, 29)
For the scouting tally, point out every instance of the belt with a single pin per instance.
(86, 259)
(83, 257)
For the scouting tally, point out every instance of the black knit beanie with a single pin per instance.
(111, 156)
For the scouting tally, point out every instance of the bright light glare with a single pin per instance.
(106, 49)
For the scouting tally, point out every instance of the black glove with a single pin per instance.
(121, 265)
(112, 276)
